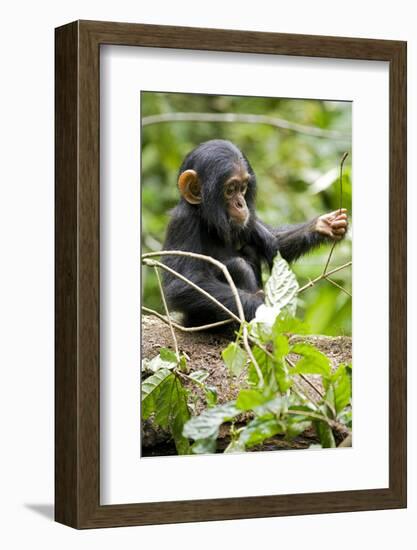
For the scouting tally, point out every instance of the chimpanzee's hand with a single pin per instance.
(333, 225)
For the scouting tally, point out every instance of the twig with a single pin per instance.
(245, 118)
(210, 260)
(344, 157)
(161, 290)
(329, 257)
(153, 263)
(324, 276)
(182, 328)
(225, 271)
(338, 286)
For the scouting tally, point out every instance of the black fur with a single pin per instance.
(206, 229)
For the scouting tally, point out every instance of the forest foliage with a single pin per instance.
(297, 174)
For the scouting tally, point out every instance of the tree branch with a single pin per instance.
(247, 119)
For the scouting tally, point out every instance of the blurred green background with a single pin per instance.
(297, 173)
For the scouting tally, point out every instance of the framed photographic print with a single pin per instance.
(230, 274)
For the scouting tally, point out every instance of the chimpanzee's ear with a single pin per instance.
(189, 186)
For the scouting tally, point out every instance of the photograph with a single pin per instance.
(246, 274)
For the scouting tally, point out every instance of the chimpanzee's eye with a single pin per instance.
(243, 188)
(230, 190)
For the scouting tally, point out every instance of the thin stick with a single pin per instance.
(153, 263)
(211, 260)
(329, 257)
(223, 268)
(181, 327)
(177, 352)
(344, 157)
(323, 276)
(338, 286)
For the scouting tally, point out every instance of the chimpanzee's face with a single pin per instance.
(234, 192)
(217, 179)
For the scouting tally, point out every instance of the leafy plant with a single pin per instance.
(166, 400)
(164, 396)
(277, 406)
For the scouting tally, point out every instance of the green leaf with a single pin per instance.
(234, 358)
(325, 434)
(179, 415)
(272, 408)
(287, 324)
(281, 288)
(259, 429)
(183, 364)
(167, 354)
(163, 394)
(341, 388)
(157, 363)
(281, 347)
(208, 423)
(313, 361)
(296, 426)
(199, 376)
(280, 298)
(163, 403)
(282, 376)
(204, 446)
(250, 399)
(211, 395)
(151, 387)
(235, 446)
(171, 411)
(346, 417)
(265, 364)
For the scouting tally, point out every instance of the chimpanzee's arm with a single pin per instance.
(295, 240)
(292, 241)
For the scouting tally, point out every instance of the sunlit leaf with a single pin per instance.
(234, 358)
(235, 446)
(199, 376)
(288, 324)
(313, 361)
(250, 399)
(211, 395)
(258, 430)
(325, 434)
(167, 354)
(282, 286)
(208, 423)
(150, 390)
(342, 388)
(156, 363)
